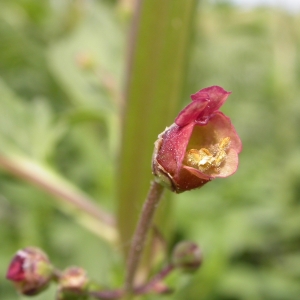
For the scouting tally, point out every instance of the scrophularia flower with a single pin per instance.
(30, 270)
(201, 145)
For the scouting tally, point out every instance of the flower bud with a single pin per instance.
(187, 256)
(73, 281)
(30, 270)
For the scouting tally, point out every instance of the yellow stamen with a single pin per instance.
(205, 159)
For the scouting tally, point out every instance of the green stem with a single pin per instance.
(140, 235)
(56, 186)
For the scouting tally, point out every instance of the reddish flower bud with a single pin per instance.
(30, 271)
(187, 256)
(201, 145)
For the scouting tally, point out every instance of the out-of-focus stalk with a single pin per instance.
(102, 221)
(157, 57)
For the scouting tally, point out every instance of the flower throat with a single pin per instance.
(205, 159)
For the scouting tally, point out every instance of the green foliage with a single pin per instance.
(61, 66)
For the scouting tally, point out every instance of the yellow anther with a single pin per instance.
(224, 144)
(205, 159)
(193, 157)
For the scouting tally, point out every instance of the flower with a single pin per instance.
(30, 271)
(201, 145)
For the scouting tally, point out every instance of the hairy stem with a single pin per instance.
(155, 284)
(108, 295)
(140, 235)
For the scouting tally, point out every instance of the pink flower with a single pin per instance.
(201, 145)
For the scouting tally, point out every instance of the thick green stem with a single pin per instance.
(156, 73)
(140, 235)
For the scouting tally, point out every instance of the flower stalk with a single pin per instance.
(140, 235)
(156, 283)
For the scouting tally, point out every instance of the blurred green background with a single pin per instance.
(61, 72)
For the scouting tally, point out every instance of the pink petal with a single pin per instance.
(216, 95)
(191, 112)
(200, 95)
(15, 271)
(230, 165)
(197, 173)
(186, 180)
(224, 128)
(172, 150)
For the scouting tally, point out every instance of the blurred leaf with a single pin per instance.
(27, 129)
(97, 41)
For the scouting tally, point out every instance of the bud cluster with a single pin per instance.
(31, 273)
